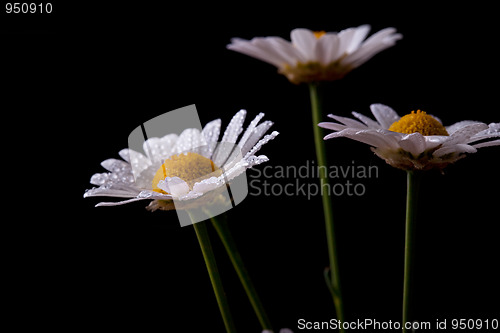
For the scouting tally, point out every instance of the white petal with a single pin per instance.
(286, 51)
(432, 141)
(125, 179)
(235, 127)
(368, 121)
(124, 153)
(250, 129)
(363, 54)
(190, 196)
(235, 170)
(348, 122)
(493, 131)
(99, 178)
(238, 152)
(231, 134)
(261, 142)
(345, 38)
(384, 36)
(120, 192)
(375, 138)
(487, 144)
(214, 182)
(115, 165)
(118, 203)
(305, 41)
(257, 48)
(138, 161)
(453, 128)
(174, 185)
(149, 194)
(374, 44)
(158, 149)
(413, 143)
(386, 139)
(144, 179)
(327, 49)
(256, 135)
(207, 185)
(385, 115)
(357, 38)
(463, 134)
(211, 133)
(256, 160)
(458, 148)
(144, 195)
(332, 126)
(189, 140)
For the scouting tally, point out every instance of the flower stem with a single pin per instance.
(227, 239)
(413, 181)
(327, 204)
(208, 255)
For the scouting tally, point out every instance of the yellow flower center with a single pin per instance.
(419, 122)
(189, 167)
(318, 34)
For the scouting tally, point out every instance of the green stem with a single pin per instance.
(413, 181)
(213, 272)
(327, 204)
(227, 239)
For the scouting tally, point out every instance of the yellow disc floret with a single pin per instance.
(189, 167)
(318, 34)
(419, 122)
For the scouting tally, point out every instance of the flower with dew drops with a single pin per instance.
(314, 56)
(183, 167)
(416, 141)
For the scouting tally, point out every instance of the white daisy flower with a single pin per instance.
(183, 167)
(283, 330)
(417, 141)
(314, 56)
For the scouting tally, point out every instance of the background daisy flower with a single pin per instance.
(183, 167)
(414, 142)
(314, 56)
(417, 141)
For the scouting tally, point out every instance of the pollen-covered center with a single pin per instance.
(190, 167)
(318, 34)
(419, 122)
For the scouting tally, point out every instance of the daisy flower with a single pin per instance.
(314, 56)
(416, 141)
(183, 167)
(189, 172)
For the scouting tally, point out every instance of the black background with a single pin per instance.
(76, 82)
